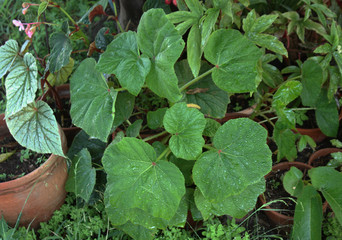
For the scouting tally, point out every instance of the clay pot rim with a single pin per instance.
(31, 177)
(322, 152)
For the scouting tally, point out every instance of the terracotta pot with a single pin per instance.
(321, 153)
(276, 217)
(43, 189)
(64, 93)
(315, 133)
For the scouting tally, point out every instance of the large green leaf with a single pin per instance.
(327, 115)
(21, 84)
(308, 215)
(186, 126)
(212, 100)
(138, 232)
(122, 58)
(328, 181)
(159, 40)
(60, 53)
(135, 179)
(236, 206)
(241, 157)
(312, 80)
(8, 54)
(235, 58)
(35, 127)
(92, 101)
(140, 217)
(82, 176)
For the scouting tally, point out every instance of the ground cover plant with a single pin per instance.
(172, 78)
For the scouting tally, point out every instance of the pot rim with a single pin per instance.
(39, 172)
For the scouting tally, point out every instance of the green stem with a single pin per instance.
(302, 109)
(120, 89)
(185, 86)
(68, 16)
(165, 152)
(154, 136)
(206, 146)
(267, 119)
(294, 78)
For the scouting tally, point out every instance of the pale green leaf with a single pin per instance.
(61, 76)
(9, 52)
(194, 51)
(21, 84)
(35, 127)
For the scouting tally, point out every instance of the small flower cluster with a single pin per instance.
(168, 2)
(30, 27)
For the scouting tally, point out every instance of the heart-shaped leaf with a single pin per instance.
(159, 40)
(82, 176)
(235, 58)
(92, 101)
(186, 126)
(8, 54)
(122, 58)
(135, 179)
(241, 157)
(236, 206)
(35, 127)
(60, 53)
(21, 84)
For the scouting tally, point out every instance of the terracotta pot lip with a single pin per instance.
(30, 177)
(322, 152)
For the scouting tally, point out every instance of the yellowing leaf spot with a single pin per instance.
(192, 105)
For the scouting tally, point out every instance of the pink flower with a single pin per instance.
(168, 2)
(30, 30)
(25, 6)
(19, 24)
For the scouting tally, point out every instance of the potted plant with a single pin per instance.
(217, 166)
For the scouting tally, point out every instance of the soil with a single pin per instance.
(311, 122)
(239, 102)
(17, 166)
(275, 191)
